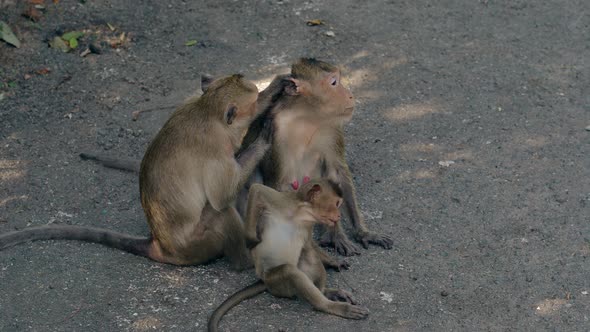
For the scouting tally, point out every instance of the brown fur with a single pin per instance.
(189, 178)
(287, 260)
(309, 114)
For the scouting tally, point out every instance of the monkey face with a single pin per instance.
(329, 209)
(338, 99)
(325, 202)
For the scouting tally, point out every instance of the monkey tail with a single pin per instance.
(132, 244)
(121, 164)
(246, 293)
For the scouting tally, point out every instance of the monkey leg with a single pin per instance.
(287, 280)
(234, 243)
(334, 237)
(362, 234)
(215, 234)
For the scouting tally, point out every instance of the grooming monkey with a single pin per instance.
(188, 180)
(309, 108)
(287, 260)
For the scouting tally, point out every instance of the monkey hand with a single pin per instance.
(341, 244)
(340, 264)
(251, 242)
(367, 237)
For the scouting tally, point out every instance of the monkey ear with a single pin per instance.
(313, 192)
(206, 80)
(295, 87)
(231, 113)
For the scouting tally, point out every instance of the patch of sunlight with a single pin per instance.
(419, 147)
(390, 63)
(263, 83)
(368, 94)
(4, 201)
(459, 155)
(536, 141)
(147, 323)
(360, 54)
(549, 306)
(11, 169)
(356, 78)
(405, 113)
(416, 175)
(174, 278)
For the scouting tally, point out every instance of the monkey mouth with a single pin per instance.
(330, 222)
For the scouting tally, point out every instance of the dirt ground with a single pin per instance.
(469, 146)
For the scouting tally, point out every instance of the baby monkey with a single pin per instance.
(287, 260)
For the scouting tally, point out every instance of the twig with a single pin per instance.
(135, 114)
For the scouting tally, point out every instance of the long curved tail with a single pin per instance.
(246, 293)
(122, 164)
(136, 245)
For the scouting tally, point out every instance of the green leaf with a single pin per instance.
(73, 43)
(7, 35)
(12, 84)
(59, 44)
(72, 34)
(191, 43)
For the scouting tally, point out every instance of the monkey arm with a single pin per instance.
(362, 233)
(224, 179)
(254, 226)
(249, 158)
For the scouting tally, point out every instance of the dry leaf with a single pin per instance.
(312, 23)
(43, 71)
(32, 13)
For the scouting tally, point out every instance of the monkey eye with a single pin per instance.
(338, 203)
(334, 81)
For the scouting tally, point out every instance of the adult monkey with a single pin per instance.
(309, 108)
(188, 180)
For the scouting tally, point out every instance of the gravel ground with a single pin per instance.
(469, 145)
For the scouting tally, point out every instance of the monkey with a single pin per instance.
(189, 177)
(309, 108)
(288, 263)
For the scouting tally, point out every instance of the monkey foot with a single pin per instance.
(340, 243)
(356, 312)
(339, 295)
(368, 237)
(338, 265)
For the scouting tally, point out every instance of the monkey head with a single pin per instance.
(321, 83)
(325, 198)
(236, 97)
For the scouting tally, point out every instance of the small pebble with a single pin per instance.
(444, 293)
(330, 34)
(588, 128)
